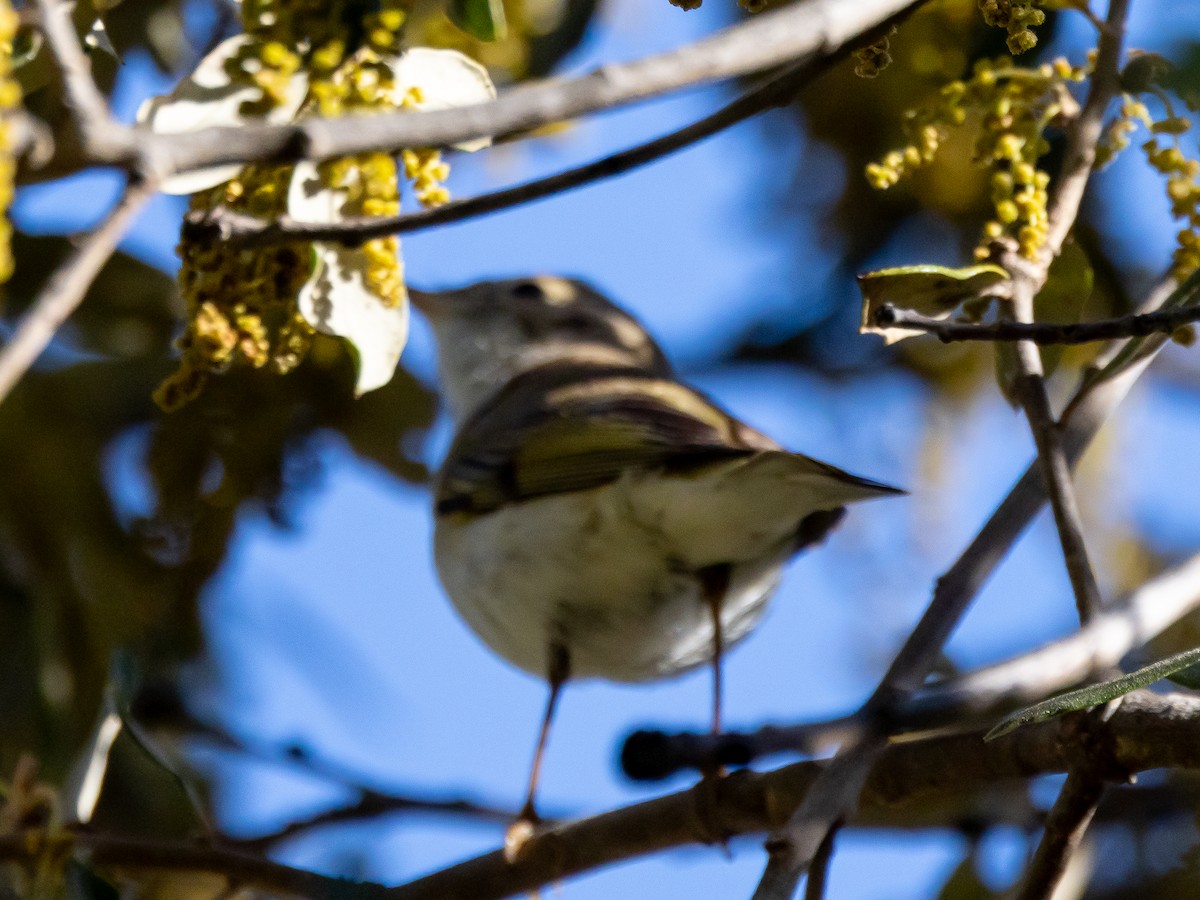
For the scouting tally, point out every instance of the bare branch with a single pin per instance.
(1027, 279)
(66, 288)
(1043, 333)
(792, 35)
(818, 873)
(84, 101)
(1148, 731)
(1068, 820)
(244, 230)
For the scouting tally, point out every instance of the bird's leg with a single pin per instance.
(520, 831)
(714, 582)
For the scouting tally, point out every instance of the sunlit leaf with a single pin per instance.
(483, 19)
(934, 291)
(208, 98)
(1095, 694)
(337, 301)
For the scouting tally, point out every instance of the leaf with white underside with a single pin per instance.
(446, 79)
(934, 291)
(207, 98)
(1095, 694)
(336, 300)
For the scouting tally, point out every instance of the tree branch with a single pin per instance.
(1027, 279)
(66, 288)
(1043, 333)
(245, 230)
(1097, 647)
(799, 33)
(1149, 731)
(84, 101)
(1068, 820)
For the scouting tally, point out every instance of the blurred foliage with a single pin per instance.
(85, 571)
(81, 578)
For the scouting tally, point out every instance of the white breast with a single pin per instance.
(596, 571)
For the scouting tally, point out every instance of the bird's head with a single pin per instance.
(488, 333)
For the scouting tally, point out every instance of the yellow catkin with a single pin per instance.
(10, 101)
(1012, 107)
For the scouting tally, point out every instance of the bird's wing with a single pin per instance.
(552, 431)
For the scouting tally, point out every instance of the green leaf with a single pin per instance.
(483, 19)
(1095, 694)
(1063, 297)
(1008, 369)
(928, 290)
(964, 883)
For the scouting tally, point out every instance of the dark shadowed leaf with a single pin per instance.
(483, 19)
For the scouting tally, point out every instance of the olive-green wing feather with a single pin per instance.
(560, 429)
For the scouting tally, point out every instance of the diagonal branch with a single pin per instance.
(1093, 649)
(248, 231)
(66, 288)
(1028, 278)
(799, 33)
(1068, 820)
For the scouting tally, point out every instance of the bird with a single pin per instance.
(595, 517)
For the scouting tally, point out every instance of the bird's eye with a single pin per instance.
(528, 290)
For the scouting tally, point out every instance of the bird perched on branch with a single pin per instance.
(596, 518)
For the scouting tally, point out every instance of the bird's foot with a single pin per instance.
(709, 825)
(519, 832)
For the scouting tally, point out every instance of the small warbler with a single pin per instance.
(594, 516)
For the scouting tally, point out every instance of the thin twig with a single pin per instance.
(83, 99)
(371, 805)
(1043, 333)
(67, 287)
(818, 872)
(371, 802)
(1097, 647)
(1065, 825)
(245, 230)
(1027, 279)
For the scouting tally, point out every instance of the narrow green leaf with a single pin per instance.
(483, 19)
(1138, 348)
(1095, 694)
